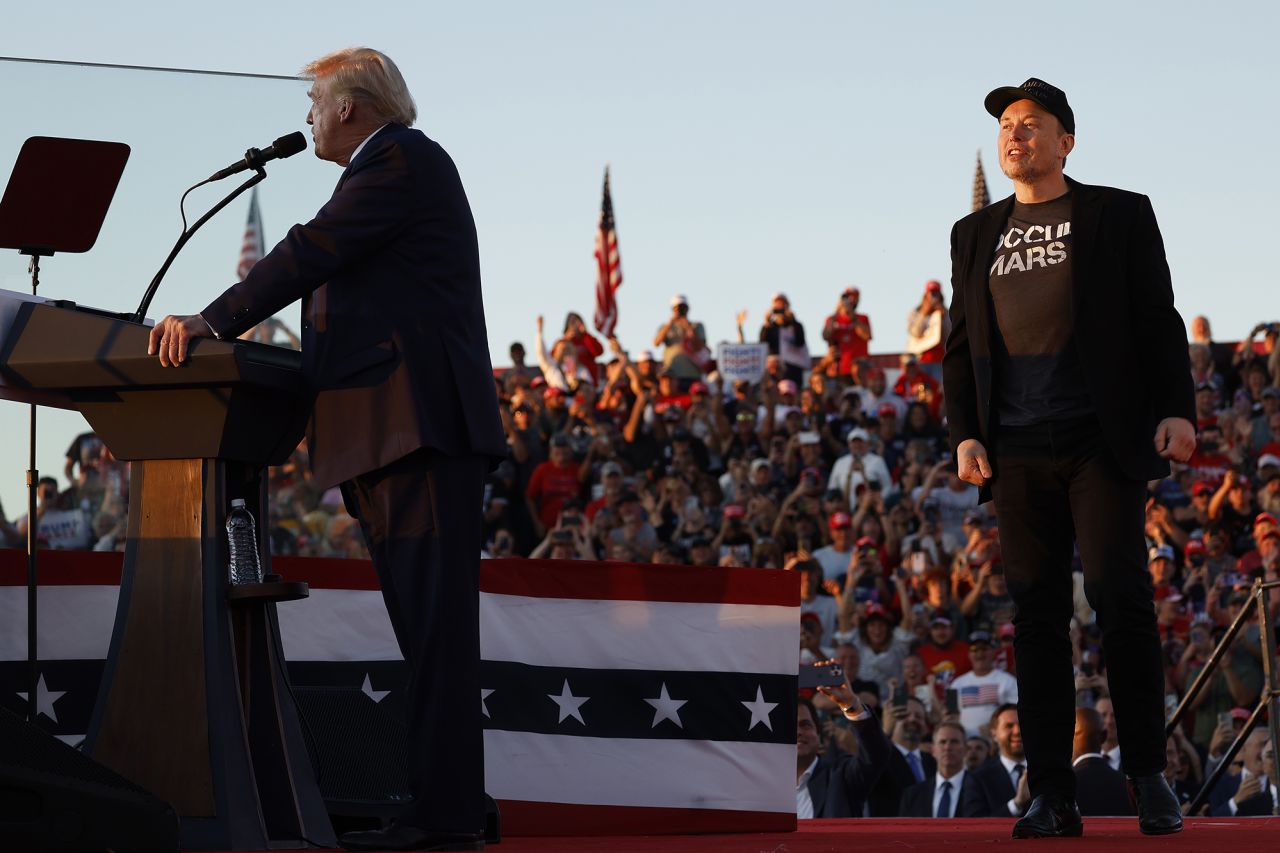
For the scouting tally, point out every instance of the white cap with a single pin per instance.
(679, 299)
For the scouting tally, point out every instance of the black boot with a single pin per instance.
(1159, 812)
(1050, 816)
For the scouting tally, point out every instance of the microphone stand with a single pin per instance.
(33, 480)
(141, 313)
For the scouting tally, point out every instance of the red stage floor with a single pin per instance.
(859, 836)
(1201, 835)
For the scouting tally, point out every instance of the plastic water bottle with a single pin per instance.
(242, 539)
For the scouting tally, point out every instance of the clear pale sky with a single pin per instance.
(754, 147)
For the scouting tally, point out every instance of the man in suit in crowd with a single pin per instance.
(1100, 790)
(1061, 295)
(906, 725)
(941, 793)
(999, 788)
(834, 783)
(404, 416)
(1248, 789)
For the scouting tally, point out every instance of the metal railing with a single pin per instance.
(1270, 694)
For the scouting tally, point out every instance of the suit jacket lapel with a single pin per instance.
(977, 292)
(1085, 216)
(818, 789)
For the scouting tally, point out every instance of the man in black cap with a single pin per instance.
(1055, 290)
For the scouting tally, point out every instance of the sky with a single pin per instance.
(754, 147)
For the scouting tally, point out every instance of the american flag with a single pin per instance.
(982, 694)
(608, 267)
(252, 248)
(981, 198)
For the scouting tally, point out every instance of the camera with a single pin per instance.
(682, 309)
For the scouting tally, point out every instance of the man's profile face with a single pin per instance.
(1031, 143)
(324, 119)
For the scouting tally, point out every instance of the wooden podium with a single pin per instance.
(195, 704)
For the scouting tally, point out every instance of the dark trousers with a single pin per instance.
(421, 518)
(1056, 484)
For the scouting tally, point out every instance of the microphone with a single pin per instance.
(285, 146)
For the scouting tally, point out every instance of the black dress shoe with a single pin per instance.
(1050, 816)
(399, 836)
(1159, 812)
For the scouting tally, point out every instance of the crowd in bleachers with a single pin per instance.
(837, 466)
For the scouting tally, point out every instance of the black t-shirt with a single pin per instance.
(1037, 371)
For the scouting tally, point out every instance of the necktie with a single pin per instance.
(916, 770)
(1018, 770)
(944, 804)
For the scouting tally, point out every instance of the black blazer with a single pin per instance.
(1131, 340)
(1259, 804)
(1101, 790)
(394, 343)
(987, 791)
(841, 782)
(897, 777)
(917, 800)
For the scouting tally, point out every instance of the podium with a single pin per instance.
(194, 704)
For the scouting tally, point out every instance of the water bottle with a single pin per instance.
(242, 539)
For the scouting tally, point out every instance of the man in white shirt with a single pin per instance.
(857, 467)
(939, 795)
(1000, 787)
(984, 688)
(835, 557)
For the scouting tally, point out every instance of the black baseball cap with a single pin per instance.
(1046, 95)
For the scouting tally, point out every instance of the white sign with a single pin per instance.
(741, 361)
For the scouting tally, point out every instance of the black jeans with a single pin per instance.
(1056, 484)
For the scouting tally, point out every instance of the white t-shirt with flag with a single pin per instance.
(980, 695)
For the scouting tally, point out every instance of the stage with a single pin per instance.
(956, 836)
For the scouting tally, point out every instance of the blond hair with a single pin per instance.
(369, 76)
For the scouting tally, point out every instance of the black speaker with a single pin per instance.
(53, 797)
(358, 750)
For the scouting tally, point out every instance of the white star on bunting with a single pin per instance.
(45, 699)
(375, 695)
(569, 704)
(485, 694)
(666, 708)
(760, 710)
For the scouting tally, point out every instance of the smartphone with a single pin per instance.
(821, 675)
(953, 701)
(899, 695)
(1224, 719)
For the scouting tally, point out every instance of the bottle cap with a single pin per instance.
(237, 502)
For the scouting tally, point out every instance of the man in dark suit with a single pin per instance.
(907, 764)
(940, 794)
(1100, 790)
(999, 788)
(834, 783)
(1061, 297)
(405, 416)
(1249, 790)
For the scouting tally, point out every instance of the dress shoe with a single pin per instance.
(1050, 816)
(1159, 812)
(399, 836)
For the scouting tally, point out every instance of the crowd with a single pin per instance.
(833, 467)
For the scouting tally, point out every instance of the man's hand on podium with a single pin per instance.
(171, 336)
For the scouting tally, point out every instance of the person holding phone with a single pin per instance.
(831, 783)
